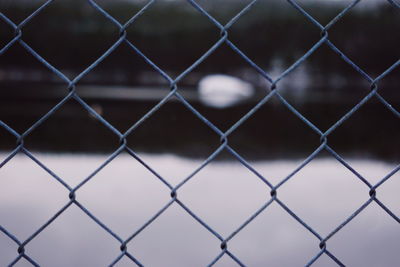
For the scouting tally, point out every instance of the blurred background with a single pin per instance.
(72, 34)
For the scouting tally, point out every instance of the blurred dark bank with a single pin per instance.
(71, 35)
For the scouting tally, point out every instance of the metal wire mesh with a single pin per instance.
(72, 94)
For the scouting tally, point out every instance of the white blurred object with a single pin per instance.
(222, 91)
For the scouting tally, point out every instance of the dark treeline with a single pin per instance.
(72, 34)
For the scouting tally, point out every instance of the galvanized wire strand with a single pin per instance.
(172, 90)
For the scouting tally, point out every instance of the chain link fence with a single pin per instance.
(274, 91)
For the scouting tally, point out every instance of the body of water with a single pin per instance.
(124, 195)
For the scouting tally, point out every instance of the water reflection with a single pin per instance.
(371, 132)
(124, 195)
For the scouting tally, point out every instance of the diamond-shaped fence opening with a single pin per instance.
(257, 37)
(143, 188)
(334, 191)
(169, 118)
(228, 84)
(381, 121)
(163, 18)
(382, 47)
(222, 176)
(63, 47)
(253, 245)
